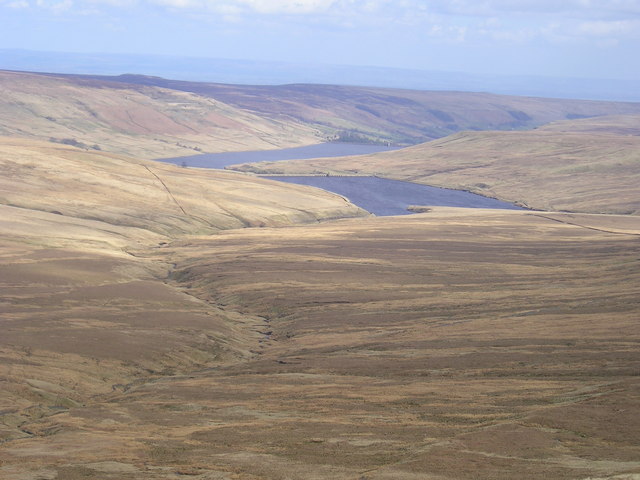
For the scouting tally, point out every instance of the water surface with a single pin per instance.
(221, 160)
(381, 196)
(376, 195)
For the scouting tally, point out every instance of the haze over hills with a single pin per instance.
(253, 72)
(586, 165)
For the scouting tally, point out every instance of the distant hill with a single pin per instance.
(586, 165)
(616, 124)
(397, 116)
(254, 72)
(151, 117)
(142, 121)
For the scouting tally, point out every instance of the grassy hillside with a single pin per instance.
(583, 166)
(613, 124)
(153, 196)
(148, 335)
(151, 117)
(86, 307)
(394, 115)
(455, 344)
(84, 315)
(146, 122)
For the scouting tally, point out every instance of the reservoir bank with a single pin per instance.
(377, 195)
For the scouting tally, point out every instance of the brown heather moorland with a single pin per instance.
(82, 314)
(455, 344)
(151, 117)
(385, 114)
(148, 333)
(141, 121)
(589, 166)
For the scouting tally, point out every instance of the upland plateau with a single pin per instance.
(163, 323)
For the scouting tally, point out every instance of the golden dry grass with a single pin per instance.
(152, 196)
(454, 344)
(618, 124)
(83, 312)
(146, 335)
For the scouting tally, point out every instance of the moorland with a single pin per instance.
(161, 322)
(151, 117)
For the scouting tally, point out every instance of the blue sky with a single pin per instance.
(575, 38)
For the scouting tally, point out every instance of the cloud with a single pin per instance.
(289, 6)
(600, 22)
(577, 9)
(179, 3)
(609, 28)
(455, 21)
(56, 6)
(570, 7)
(264, 7)
(17, 4)
(603, 9)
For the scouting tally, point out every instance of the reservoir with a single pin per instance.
(381, 196)
(376, 195)
(221, 160)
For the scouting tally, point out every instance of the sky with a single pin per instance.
(559, 38)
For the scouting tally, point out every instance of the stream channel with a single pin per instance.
(379, 196)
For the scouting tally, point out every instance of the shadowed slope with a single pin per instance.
(83, 317)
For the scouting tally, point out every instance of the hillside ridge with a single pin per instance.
(152, 117)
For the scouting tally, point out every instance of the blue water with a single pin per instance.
(392, 197)
(222, 160)
(376, 195)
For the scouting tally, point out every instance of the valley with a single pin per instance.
(162, 323)
(587, 165)
(437, 345)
